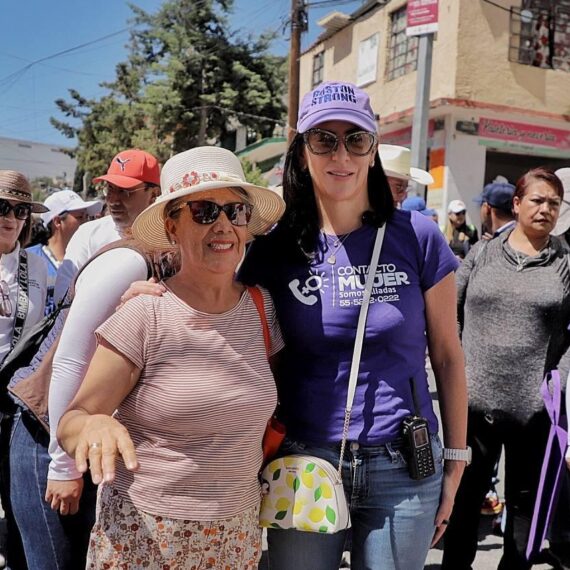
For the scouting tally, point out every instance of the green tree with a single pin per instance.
(187, 82)
(252, 174)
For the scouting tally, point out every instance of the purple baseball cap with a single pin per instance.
(336, 101)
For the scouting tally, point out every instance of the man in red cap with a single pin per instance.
(131, 184)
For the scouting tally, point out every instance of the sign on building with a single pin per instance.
(367, 60)
(422, 17)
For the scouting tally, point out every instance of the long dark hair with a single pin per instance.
(301, 217)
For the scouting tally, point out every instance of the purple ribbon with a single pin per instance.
(552, 465)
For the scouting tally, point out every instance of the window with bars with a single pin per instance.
(318, 68)
(540, 34)
(403, 49)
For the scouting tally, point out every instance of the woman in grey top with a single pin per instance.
(514, 307)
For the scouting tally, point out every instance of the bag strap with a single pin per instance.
(360, 329)
(23, 302)
(257, 298)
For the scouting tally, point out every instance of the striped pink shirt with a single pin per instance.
(199, 410)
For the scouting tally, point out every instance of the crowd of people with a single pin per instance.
(202, 305)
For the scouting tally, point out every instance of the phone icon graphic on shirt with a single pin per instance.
(305, 294)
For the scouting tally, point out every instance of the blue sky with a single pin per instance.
(34, 29)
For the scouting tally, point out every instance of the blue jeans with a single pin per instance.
(392, 515)
(51, 541)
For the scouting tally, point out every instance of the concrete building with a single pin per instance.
(37, 160)
(500, 87)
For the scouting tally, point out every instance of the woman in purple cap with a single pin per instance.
(315, 264)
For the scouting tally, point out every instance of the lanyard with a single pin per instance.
(23, 299)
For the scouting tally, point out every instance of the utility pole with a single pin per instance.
(298, 25)
(422, 21)
(421, 109)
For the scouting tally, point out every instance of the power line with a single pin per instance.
(324, 3)
(10, 80)
(240, 113)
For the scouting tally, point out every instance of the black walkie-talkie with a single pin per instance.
(415, 432)
(417, 440)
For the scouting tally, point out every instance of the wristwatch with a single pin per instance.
(457, 454)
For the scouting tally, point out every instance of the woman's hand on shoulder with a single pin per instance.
(100, 443)
(150, 287)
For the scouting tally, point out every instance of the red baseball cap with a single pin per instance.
(131, 167)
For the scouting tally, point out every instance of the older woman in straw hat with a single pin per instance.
(23, 289)
(190, 382)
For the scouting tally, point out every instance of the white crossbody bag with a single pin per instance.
(306, 492)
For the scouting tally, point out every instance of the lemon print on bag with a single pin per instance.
(303, 494)
(307, 480)
(316, 515)
(282, 504)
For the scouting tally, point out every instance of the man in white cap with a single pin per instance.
(67, 211)
(460, 235)
(396, 162)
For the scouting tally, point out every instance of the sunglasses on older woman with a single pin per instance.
(319, 141)
(21, 211)
(206, 212)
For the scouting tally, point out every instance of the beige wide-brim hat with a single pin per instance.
(396, 163)
(199, 169)
(15, 186)
(563, 223)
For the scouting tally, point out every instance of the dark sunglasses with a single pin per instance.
(206, 212)
(460, 213)
(319, 141)
(21, 211)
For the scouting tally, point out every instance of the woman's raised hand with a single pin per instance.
(150, 287)
(101, 441)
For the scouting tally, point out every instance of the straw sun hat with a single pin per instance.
(396, 162)
(197, 170)
(15, 186)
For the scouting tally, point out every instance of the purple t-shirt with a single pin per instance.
(318, 306)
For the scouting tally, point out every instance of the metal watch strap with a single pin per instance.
(452, 454)
(359, 338)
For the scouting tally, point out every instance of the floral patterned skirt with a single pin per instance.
(125, 538)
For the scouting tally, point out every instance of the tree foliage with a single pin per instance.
(187, 81)
(252, 173)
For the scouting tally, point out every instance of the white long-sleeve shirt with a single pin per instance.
(85, 243)
(97, 294)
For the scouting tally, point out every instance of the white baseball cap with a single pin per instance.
(456, 206)
(68, 201)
